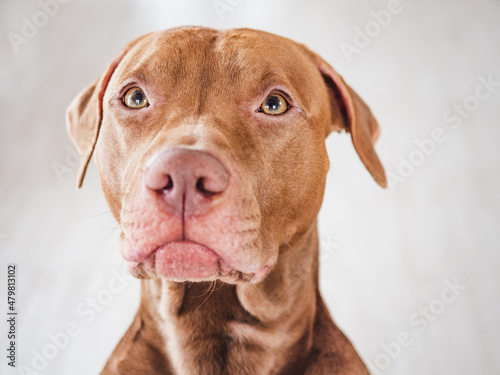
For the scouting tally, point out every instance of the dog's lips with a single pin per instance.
(183, 260)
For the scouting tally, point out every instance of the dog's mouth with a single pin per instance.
(185, 260)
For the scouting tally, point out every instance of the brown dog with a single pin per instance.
(210, 147)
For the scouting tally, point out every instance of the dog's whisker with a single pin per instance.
(99, 214)
(213, 283)
(205, 292)
(107, 238)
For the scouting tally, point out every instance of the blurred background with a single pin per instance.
(411, 273)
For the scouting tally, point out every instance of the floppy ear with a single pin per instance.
(84, 114)
(357, 119)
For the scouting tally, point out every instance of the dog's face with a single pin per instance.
(210, 147)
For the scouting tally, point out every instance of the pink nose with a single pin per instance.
(187, 179)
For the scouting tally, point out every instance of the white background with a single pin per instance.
(387, 253)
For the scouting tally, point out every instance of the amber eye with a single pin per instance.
(274, 104)
(135, 98)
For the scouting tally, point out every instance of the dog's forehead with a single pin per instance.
(236, 55)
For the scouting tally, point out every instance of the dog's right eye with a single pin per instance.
(274, 104)
(135, 98)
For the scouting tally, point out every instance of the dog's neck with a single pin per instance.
(218, 328)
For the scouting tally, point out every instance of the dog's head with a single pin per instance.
(210, 147)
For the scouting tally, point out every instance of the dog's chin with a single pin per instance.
(186, 261)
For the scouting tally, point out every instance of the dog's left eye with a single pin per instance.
(274, 104)
(135, 98)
